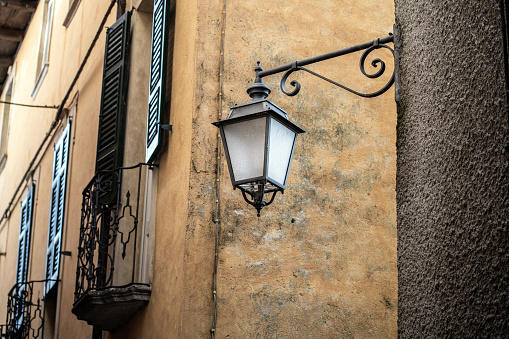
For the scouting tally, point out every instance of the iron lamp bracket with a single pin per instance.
(368, 47)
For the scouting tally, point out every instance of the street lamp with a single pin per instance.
(259, 139)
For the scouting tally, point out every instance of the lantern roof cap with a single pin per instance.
(255, 106)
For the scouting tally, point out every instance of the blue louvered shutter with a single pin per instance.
(157, 85)
(57, 203)
(110, 140)
(25, 230)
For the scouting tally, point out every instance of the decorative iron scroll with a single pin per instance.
(24, 317)
(367, 47)
(100, 232)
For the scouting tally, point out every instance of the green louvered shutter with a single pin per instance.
(110, 141)
(157, 86)
(25, 230)
(57, 203)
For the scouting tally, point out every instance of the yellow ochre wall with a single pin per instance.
(27, 129)
(320, 262)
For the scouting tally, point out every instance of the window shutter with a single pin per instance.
(58, 185)
(157, 86)
(113, 101)
(25, 230)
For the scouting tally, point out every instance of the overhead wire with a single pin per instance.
(27, 105)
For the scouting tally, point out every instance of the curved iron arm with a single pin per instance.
(368, 47)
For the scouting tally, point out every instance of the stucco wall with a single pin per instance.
(452, 181)
(27, 129)
(321, 261)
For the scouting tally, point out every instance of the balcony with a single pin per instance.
(25, 318)
(108, 288)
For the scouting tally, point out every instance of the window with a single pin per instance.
(157, 85)
(4, 122)
(114, 91)
(44, 45)
(25, 230)
(72, 6)
(57, 203)
(109, 248)
(110, 139)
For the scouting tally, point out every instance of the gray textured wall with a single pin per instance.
(452, 177)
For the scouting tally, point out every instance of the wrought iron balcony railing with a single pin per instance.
(25, 318)
(109, 230)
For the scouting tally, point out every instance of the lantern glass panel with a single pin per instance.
(281, 141)
(246, 145)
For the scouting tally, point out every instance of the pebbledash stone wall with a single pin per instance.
(452, 171)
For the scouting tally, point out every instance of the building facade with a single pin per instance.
(118, 215)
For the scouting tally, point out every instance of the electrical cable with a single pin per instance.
(60, 109)
(27, 105)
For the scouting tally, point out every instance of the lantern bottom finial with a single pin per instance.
(257, 198)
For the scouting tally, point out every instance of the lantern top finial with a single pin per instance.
(258, 90)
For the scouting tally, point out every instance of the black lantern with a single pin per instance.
(258, 141)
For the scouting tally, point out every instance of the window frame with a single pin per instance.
(5, 116)
(72, 7)
(43, 54)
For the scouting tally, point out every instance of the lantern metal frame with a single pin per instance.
(256, 109)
